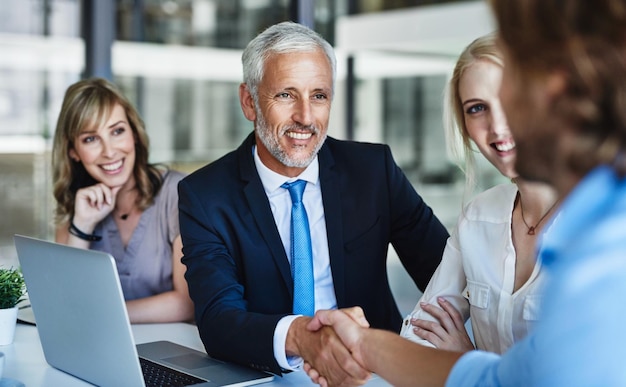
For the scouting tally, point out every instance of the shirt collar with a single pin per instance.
(272, 181)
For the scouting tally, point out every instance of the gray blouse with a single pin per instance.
(145, 265)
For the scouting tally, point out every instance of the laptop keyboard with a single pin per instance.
(156, 375)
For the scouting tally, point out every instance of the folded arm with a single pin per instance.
(425, 325)
(448, 332)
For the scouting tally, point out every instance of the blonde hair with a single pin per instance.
(88, 104)
(458, 141)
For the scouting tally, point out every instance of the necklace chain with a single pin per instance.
(124, 215)
(531, 229)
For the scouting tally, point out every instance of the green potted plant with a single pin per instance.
(12, 290)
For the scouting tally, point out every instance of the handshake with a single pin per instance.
(339, 348)
(329, 344)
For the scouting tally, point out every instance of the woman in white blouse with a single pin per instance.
(489, 270)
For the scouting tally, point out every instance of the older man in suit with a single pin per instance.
(236, 214)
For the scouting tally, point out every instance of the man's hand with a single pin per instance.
(343, 322)
(449, 333)
(324, 351)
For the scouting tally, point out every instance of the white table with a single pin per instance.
(25, 360)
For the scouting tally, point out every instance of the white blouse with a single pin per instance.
(477, 274)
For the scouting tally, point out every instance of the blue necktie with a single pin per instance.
(301, 252)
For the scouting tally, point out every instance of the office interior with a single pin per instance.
(179, 63)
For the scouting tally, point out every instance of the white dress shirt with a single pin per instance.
(477, 275)
(280, 203)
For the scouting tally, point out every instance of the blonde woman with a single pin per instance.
(488, 271)
(109, 198)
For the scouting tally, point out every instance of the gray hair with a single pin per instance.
(278, 39)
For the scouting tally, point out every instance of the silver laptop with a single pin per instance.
(84, 328)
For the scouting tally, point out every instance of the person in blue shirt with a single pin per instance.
(564, 94)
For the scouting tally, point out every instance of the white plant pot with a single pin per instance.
(8, 320)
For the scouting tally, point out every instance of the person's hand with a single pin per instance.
(449, 333)
(345, 321)
(323, 351)
(92, 204)
(331, 318)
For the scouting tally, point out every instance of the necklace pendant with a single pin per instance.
(531, 231)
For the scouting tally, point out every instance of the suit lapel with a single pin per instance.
(260, 209)
(331, 197)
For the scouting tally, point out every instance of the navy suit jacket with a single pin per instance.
(238, 273)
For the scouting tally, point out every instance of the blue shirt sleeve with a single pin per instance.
(475, 368)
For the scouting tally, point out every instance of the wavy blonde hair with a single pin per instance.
(458, 141)
(88, 104)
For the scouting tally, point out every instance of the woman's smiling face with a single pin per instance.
(107, 152)
(483, 115)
